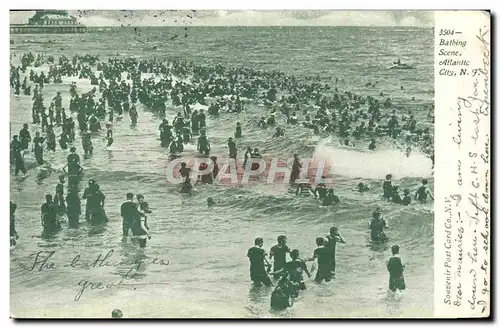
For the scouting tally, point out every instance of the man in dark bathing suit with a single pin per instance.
(25, 136)
(279, 251)
(128, 212)
(38, 147)
(139, 225)
(49, 218)
(323, 256)
(184, 171)
(258, 262)
(296, 166)
(73, 206)
(422, 192)
(16, 150)
(331, 244)
(295, 268)
(86, 195)
(396, 268)
(232, 148)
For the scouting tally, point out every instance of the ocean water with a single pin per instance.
(208, 272)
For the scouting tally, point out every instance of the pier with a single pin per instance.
(49, 22)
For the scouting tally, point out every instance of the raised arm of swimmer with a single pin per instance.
(429, 193)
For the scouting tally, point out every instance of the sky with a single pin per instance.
(242, 18)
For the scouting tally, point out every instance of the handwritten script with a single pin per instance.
(44, 261)
(465, 251)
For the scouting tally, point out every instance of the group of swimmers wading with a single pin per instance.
(135, 218)
(290, 274)
(282, 100)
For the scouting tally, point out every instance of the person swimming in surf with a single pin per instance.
(331, 244)
(295, 270)
(258, 263)
(387, 187)
(73, 157)
(255, 155)
(423, 192)
(377, 225)
(406, 198)
(278, 252)
(166, 135)
(362, 187)
(206, 178)
(87, 193)
(296, 166)
(408, 152)
(248, 154)
(96, 203)
(128, 211)
(87, 144)
(232, 148)
(262, 122)
(215, 167)
(17, 156)
(203, 144)
(109, 135)
(24, 137)
(323, 257)
(280, 132)
(49, 218)
(330, 198)
(395, 197)
(73, 206)
(59, 199)
(38, 147)
(238, 133)
(140, 229)
(321, 191)
(296, 267)
(142, 205)
(372, 145)
(184, 171)
(396, 268)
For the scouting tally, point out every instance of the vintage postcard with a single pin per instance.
(249, 164)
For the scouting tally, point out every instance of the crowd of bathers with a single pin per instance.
(121, 85)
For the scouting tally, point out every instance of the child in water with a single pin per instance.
(396, 267)
(362, 187)
(109, 135)
(408, 152)
(406, 198)
(422, 192)
(387, 187)
(238, 133)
